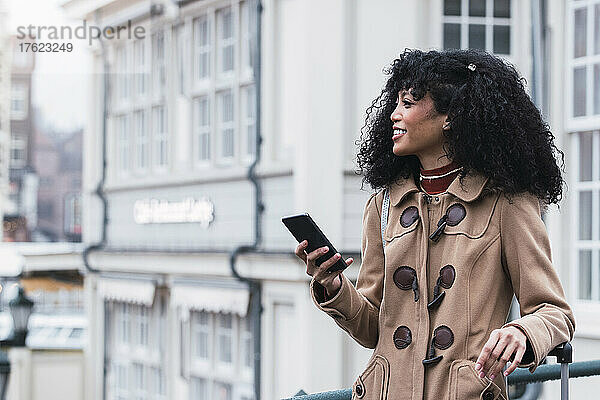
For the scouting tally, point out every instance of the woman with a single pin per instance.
(466, 163)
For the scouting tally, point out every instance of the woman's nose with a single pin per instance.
(396, 115)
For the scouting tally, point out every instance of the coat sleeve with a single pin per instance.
(546, 318)
(356, 309)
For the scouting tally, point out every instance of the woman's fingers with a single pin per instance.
(499, 349)
(486, 351)
(506, 355)
(321, 272)
(516, 361)
(300, 250)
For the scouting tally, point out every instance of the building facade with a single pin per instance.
(20, 213)
(168, 318)
(5, 57)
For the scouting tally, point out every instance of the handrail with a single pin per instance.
(544, 372)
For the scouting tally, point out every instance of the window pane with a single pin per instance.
(451, 36)
(585, 274)
(585, 215)
(502, 8)
(501, 39)
(585, 156)
(222, 391)
(579, 91)
(596, 88)
(580, 27)
(451, 7)
(477, 36)
(597, 29)
(199, 389)
(477, 8)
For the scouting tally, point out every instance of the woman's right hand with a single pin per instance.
(330, 281)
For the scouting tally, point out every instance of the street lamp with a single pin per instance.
(20, 310)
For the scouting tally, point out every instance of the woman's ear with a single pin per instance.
(446, 125)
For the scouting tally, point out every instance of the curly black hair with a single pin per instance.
(495, 128)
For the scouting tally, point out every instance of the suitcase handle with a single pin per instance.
(563, 353)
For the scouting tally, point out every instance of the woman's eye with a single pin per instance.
(406, 103)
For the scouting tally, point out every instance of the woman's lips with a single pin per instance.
(398, 135)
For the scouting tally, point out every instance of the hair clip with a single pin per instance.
(472, 66)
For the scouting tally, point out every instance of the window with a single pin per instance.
(181, 43)
(248, 36)
(479, 24)
(202, 46)
(140, 67)
(199, 389)
(141, 141)
(123, 78)
(160, 136)
(158, 54)
(18, 100)
(583, 49)
(226, 124)
(18, 151)
(123, 323)
(142, 322)
(202, 128)
(133, 348)
(201, 329)
(587, 201)
(249, 120)
(140, 382)
(221, 356)
(226, 40)
(123, 142)
(224, 338)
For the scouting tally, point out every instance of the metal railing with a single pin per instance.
(544, 372)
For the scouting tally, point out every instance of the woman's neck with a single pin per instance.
(437, 180)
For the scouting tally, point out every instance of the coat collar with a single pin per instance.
(472, 187)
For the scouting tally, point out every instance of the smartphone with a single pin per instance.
(303, 228)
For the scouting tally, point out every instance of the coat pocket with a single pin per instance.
(372, 384)
(465, 383)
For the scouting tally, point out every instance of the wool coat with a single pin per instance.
(427, 302)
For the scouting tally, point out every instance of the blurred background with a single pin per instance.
(149, 148)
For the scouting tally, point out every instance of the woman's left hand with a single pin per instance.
(506, 344)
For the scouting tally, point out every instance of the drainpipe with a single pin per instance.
(254, 285)
(100, 188)
(538, 46)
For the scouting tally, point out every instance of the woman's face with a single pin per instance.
(423, 136)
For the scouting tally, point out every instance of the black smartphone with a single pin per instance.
(303, 228)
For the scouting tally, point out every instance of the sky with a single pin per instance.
(61, 80)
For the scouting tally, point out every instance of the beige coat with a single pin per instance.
(489, 249)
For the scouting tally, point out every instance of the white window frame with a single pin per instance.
(248, 122)
(222, 126)
(142, 141)
(214, 371)
(488, 21)
(159, 65)
(588, 311)
(19, 143)
(140, 65)
(160, 135)
(123, 55)
(202, 48)
(19, 95)
(133, 353)
(223, 43)
(123, 141)
(200, 131)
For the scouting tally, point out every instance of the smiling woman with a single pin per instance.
(465, 162)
